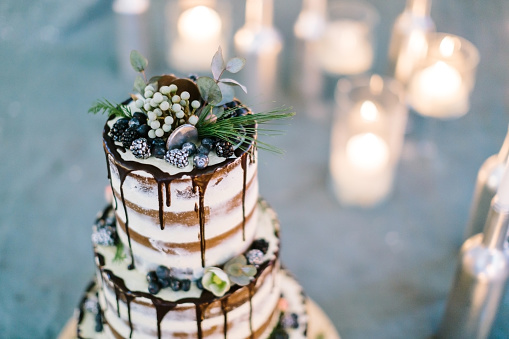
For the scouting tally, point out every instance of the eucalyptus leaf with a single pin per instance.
(154, 81)
(139, 84)
(218, 111)
(234, 82)
(227, 91)
(138, 61)
(209, 90)
(235, 64)
(217, 65)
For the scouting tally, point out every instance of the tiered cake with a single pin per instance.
(187, 248)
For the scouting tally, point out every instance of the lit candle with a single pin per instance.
(345, 48)
(439, 90)
(367, 152)
(199, 35)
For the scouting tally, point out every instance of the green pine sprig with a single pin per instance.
(248, 127)
(105, 106)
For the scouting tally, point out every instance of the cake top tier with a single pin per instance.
(172, 118)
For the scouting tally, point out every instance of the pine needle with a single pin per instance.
(106, 106)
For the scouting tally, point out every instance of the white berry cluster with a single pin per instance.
(166, 110)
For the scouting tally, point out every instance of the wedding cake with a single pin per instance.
(187, 248)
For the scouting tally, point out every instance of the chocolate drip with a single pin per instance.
(224, 307)
(121, 289)
(251, 293)
(111, 183)
(168, 193)
(123, 174)
(201, 184)
(160, 199)
(162, 308)
(244, 179)
(199, 319)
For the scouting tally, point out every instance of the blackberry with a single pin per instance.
(119, 128)
(129, 136)
(254, 257)
(140, 148)
(177, 157)
(290, 320)
(224, 149)
(193, 77)
(260, 244)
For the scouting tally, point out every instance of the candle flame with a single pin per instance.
(199, 23)
(447, 46)
(369, 111)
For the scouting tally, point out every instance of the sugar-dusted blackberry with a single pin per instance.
(177, 157)
(254, 257)
(119, 128)
(224, 149)
(140, 148)
(260, 244)
(129, 136)
(186, 285)
(154, 287)
(290, 320)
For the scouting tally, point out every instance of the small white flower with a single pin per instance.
(216, 281)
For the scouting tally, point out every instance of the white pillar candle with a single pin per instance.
(199, 35)
(367, 152)
(346, 48)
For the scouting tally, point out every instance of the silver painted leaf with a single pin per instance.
(235, 64)
(227, 92)
(217, 65)
(234, 82)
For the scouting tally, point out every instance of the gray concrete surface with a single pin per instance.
(379, 273)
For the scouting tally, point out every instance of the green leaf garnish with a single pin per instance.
(248, 127)
(119, 253)
(105, 106)
(139, 84)
(209, 90)
(138, 61)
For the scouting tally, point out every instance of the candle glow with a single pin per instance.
(367, 152)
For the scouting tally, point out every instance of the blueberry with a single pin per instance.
(151, 276)
(201, 161)
(164, 282)
(175, 284)
(98, 322)
(143, 130)
(158, 142)
(199, 284)
(159, 152)
(189, 147)
(154, 287)
(193, 77)
(204, 150)
(186, 284)
(141, 117)
(208, 142)
(134, 122)
(260, 244)
(163, 272)
(240, 112)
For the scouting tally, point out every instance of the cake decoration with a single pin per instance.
(167, 112)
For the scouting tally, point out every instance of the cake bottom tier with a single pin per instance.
(289, 320)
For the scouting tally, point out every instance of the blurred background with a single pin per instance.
(383, 270)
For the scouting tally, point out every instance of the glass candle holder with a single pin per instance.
(366, 139)
(347, 44)
(197, 28)
(441, 84)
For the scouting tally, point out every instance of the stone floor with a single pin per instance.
(383, 272)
